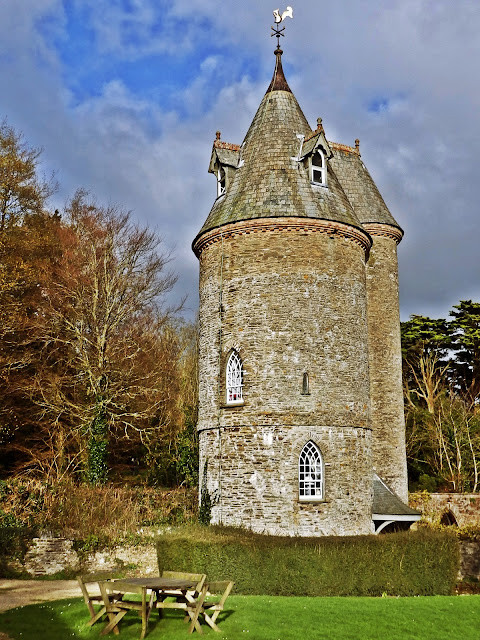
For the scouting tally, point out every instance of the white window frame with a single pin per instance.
(221, 182)
(311, 474)
(321, 169)
(234, 379)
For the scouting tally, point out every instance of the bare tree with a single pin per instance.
(429, 378)
(457, 436)
(105, 329)
(443, 429)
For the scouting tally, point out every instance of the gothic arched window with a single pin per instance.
(310, 473)
(319, 169)
(234, 379)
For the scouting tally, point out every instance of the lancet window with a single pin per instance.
(310, 473)
(221, 182)
(319, 169)
(234, 379)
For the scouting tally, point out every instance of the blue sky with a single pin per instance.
(125, 98)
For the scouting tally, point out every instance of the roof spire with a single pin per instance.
(278, 83)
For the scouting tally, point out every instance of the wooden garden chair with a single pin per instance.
(117, 609)
(190, 601)
(94, 599)
(212, 608)
(199, 578)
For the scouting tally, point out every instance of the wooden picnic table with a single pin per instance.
(151, 590)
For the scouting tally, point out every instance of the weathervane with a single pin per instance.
(288, 13)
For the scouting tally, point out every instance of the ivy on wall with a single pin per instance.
(97, 470)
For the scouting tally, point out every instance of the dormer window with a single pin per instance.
(221, 182)
(234, 379)
(319, 168)
(224, 161)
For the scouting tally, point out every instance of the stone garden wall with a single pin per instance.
(49, 555)
(462, 509)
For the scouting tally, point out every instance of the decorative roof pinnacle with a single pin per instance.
(316, 131)
(279, 82)
(220, 144)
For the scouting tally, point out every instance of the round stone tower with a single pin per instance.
(385, 355)
(284, 424)
(386, 391)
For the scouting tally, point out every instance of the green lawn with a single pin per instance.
(272, 618)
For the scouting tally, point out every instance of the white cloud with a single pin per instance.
(416, 61)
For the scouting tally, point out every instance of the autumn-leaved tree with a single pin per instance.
(95, 369)
(22, 191)
(174, 460)
(107, 342)
(27, 246)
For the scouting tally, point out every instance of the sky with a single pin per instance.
(125, 96)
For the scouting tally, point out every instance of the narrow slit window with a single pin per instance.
(311, 473)
(305, 385)
(234, 379)
(319, 170)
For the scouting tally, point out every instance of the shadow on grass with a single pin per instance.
(65, 619)
(47, 620)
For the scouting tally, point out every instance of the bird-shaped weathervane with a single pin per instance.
(279, 18)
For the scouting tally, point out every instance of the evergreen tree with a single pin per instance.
(465, 344)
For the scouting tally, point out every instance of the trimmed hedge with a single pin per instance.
(409, 563)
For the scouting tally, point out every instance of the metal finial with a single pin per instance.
(279, 18)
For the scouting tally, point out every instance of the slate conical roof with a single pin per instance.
(269, 181)
(359, 186)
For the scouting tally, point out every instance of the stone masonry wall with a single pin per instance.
(289, 302)
(253, 479)
(464, 507)
(49, 555)
(387, 411)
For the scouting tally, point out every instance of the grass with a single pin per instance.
(272, 618)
